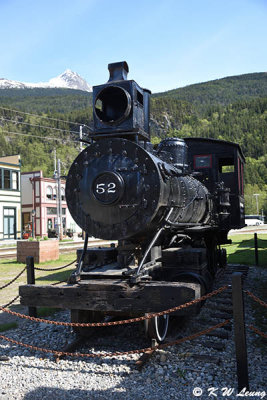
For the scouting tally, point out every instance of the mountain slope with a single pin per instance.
(222, 91)
(40, 100)
(68, 79)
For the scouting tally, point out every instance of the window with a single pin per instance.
(226, 165)
(9, 180)
(62, 193)
(203, 161)
(49, 223)
(49, 192)
(15, 180)
(6, 179)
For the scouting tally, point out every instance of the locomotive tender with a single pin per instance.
(169, 207)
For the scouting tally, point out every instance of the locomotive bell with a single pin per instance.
(120, 105)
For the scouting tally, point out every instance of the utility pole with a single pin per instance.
(81, 136)
(56, 176)
(60, 231)
(257, 201)
(55, 161)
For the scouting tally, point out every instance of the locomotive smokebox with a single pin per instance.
(121, 106)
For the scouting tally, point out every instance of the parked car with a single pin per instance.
(253, 222)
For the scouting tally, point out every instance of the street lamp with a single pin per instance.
(33, 215)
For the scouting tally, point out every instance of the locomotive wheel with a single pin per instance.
(157, 327)
(83, 316)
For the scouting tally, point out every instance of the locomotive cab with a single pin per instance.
(217, 161)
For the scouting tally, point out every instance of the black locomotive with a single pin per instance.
(169, 207)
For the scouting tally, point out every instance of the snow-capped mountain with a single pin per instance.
(8, 84)
(69, 80)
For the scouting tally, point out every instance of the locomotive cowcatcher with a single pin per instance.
(168, 207)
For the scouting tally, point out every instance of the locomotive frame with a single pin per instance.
(170, 208)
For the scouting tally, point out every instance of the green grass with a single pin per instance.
(242, 251)
(8, 326)
(10, 268)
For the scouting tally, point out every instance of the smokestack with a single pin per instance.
(118, 71)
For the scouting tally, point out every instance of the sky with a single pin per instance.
(166, 43)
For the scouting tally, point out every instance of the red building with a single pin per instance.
(39, 204)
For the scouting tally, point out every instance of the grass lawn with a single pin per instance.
(10, 268)
(241, 251)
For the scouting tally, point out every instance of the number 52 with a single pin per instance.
(102, 188)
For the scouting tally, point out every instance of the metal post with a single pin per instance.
(31, 281)
(239, 331)
(256, 249)
(33, 233)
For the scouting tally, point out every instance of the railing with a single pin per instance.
(238, 321)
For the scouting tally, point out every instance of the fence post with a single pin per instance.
(31, 281)
(256, 249)
(239, 331)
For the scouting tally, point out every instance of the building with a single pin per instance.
(40, 205)
(10, 198)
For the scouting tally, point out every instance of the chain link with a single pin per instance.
(55, 269)
(11, 302)
(126, 321)
(57, 283)
(261, 302)
(13, 280)
(258, 331)
(118, 353)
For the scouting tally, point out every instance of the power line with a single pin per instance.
(39, 126)
(39, 137)
(40, 116)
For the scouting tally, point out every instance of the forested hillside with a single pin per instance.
(233, 108)
(38, 100)
(222, 91)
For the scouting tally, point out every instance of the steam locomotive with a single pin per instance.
(169, 207)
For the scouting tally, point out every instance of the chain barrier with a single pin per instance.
(57, 283)
(258, 331)
(117, 353)
(11, 302)
(55, 269)
(13, 280)
(261, 302)
(121, 322)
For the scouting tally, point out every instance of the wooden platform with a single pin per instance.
(111, 295)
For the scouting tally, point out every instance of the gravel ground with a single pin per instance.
(169, 374)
